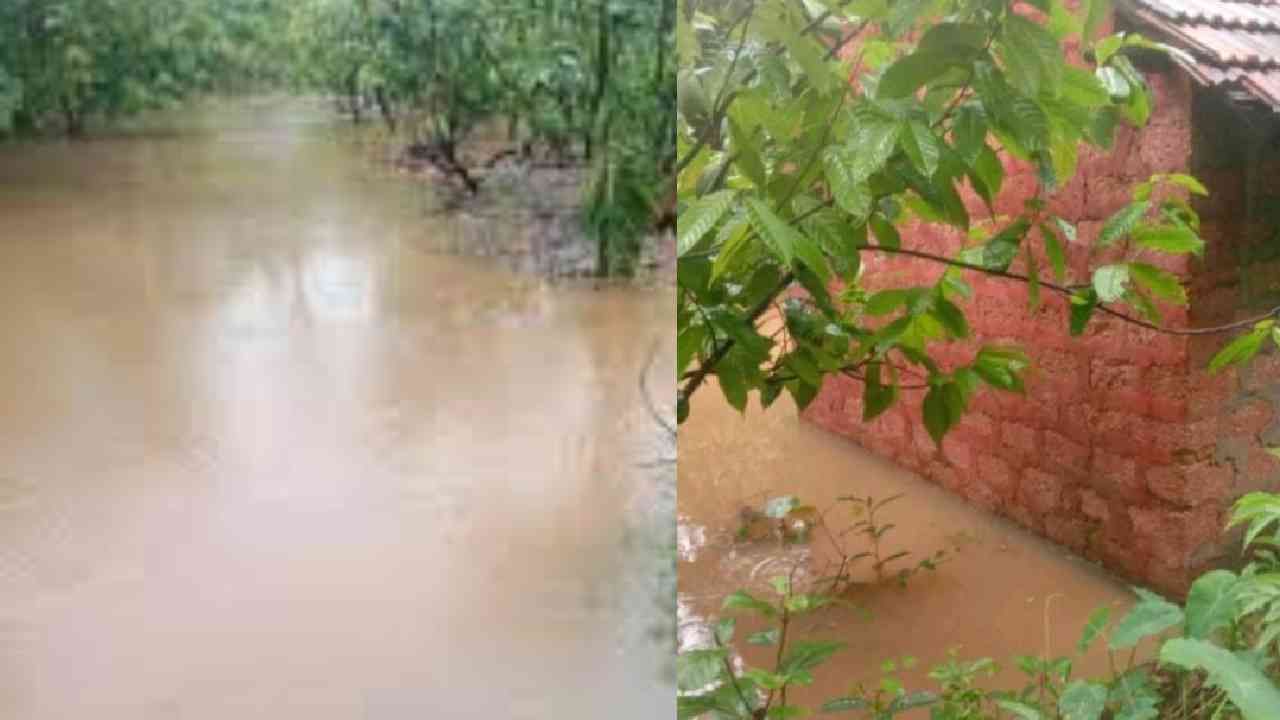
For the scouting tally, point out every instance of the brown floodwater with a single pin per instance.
(1000, 592)
(264, 453)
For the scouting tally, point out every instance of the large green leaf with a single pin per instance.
(1174, 239)
(851, 193)
(1210, 603)
(1253, 693)
(698, 219)
(1033, 57)
(1097, 623)
(696, 669)
(1161, 283)
(778, 235)
(1111, 281)
(1083, 700)
(1121, 223)
(1240, 349)
(1150, 616)
(910, 73)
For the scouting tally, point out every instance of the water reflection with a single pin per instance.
(265, 454)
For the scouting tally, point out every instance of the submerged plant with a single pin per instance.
(1217, 656)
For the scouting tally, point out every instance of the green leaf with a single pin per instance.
(1134, 697)
(1252, 692)
(1210, 603)
(960, 41)
(1114, 82)
(876, 397)
(922, 146)
(1083, 88)
(1151, 615)
(886, 301)
(990, 171)
(698, 219)
(851, 193)
(808, 655)
(1000, 367)
(1098, 620)
(1174, 239)
(764, 637)
(1082, 306)
(724, 630)
(1020, 710)
(871, 142)
(1161, 283)
(733, 382)
(1033, 57)
(748, 156)
(911, 72)
(886, 234)
(689, 343)
(743, 600)
(1110, 282)
(696, 669)
(1053, 249)
(1002, 248)
(943, 406)
(1239, 350)
(1121, 223)
(1083, 700)
(777, 234)
(951, 317)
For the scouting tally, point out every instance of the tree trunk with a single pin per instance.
(384, 106)
(602, 74)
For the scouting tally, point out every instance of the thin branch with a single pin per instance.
(1071, 290)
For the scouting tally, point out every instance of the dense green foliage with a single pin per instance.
(63, 61)
(585, 80)
(1218, 656)
(795, 164)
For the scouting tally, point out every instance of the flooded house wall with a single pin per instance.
(1123, 448)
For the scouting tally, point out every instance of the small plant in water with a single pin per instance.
(1218, 655)
(787, 520)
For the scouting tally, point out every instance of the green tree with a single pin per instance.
(795, 163)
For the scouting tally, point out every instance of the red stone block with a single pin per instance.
(1069, 531)
(995, 473)
(1025, 517)
(1094, 506)
(1040, 491)
(1105, 195)
(1022, 438)
(1172, 102)
(1191, 485)
(1116, 476)
(1064, 454)
(1248, 418)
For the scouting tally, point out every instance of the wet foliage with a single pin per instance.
(1215, 656)
(816, 135)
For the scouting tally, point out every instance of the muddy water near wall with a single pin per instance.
(1003, 593)
(264, 455)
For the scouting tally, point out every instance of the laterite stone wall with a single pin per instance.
(1123, 449)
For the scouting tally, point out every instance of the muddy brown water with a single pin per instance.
(1003, 592)
(264, 454)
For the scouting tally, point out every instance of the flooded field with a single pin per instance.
(265, 452)
(999, 591)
